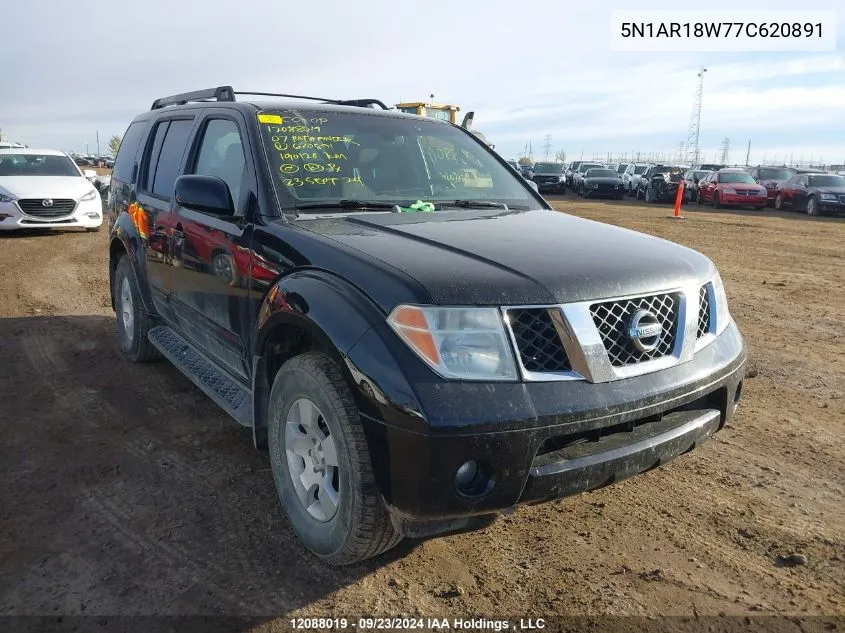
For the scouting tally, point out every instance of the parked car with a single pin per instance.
(620, 168)
(601, 182)
(394, 400)
(631, 177)
(43, 188)
(82, 161)
(579, 173)
(709, 167)
(569, 172)
(815, 194)
(659, 183)
(770, 178)
(731, 187)
(549, 177)
(691, 180)
(527, 171)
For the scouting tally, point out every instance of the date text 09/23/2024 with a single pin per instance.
(416, 623)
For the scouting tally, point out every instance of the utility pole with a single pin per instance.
(693, 133)
(98, 142)
(726, 147)
(748, 153)
(548, 146)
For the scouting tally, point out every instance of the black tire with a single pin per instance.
(716, 203)
(95, 229)
(131, 336)
(779, 202)
(813, 207)
(649, 195)
(361, 527)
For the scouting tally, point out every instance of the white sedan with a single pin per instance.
(43, 188)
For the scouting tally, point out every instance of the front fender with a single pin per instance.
(332, 310)
(125, 237)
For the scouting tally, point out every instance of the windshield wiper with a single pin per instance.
(347, 204)
(469, 204)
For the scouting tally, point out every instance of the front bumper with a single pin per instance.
(833, 206)
(542, 441)
(551, 185)
(86, 215)
(608, 191)
(743, 201)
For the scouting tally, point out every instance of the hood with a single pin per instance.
(604, 180)
(517, 257)
(45, 186)
(741, 186)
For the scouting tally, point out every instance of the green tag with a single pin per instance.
(419, 205)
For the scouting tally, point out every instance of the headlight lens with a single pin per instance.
(459, 343)
(5, 198)
(89, 196)
(723, 316)
(729, 191)
(828, 196)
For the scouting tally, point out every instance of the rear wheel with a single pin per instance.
(321, 463)
(133, 322)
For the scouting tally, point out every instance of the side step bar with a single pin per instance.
(233, 398)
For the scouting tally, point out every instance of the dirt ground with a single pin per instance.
(124, 490)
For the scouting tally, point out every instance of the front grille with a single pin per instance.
(539, 346)
(613, 318)
(35, 208)
(703, 312)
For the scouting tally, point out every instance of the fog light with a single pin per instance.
(472, 479)
(94, 216)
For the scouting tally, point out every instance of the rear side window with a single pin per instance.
(152, 158)
(170, 157)
(128, 150)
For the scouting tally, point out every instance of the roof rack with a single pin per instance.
(226, 93)
(221, 93)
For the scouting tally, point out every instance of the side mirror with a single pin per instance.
(534, 186)
(204, 193)
(695, 180)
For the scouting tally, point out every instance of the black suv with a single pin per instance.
(416, 337)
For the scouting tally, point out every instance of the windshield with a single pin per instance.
(741, 178)
(600, 173)
(776, 174)
(621, 169)
(324, 156)
(585, 166)
(548, 168)
(700, 173)
(36, 165)
(639, 170)
(827, 181)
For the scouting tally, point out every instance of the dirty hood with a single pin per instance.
(511, 258)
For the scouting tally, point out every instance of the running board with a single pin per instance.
(228, 394)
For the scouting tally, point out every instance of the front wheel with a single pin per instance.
(716, 203)
(812, 207)
(321, 463)
(779, 202)
(649, 195)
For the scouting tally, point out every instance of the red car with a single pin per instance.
(731, 187)
(771, 177)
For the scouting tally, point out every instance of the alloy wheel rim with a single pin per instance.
(127, 314)
(312, 460)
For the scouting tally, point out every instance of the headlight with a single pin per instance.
(723, 316)
(460, 343)
(560, 178)
(729, 191)
(6, 198)
(89, 196)
(828, 196)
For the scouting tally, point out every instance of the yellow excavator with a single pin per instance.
(443, 112)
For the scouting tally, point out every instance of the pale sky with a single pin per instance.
(71, 69)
